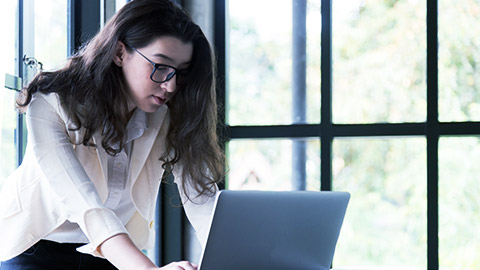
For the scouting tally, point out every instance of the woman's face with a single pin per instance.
(144, 93)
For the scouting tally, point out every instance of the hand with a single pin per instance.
(183, 265)
(123, 254)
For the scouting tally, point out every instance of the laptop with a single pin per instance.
(264, 230)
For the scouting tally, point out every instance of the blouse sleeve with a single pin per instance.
(67, 178)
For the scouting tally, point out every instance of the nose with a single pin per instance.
(170, 85)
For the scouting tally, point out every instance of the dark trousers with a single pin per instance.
(49, 255)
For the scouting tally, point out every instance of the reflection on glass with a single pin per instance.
(8, 115)
(378, 61)
(259, 62)
(51, 33)
(459, 203)
(267, 165)
(386, 221)
(459, 60)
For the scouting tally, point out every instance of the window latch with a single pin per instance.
(31, 62)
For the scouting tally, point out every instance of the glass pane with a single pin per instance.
(119, 4)
(268, 164)
(459, 60)
(51, 33)
(378, 61)
(259, 65)
(8, 116)
(459, 203)
(385, 225)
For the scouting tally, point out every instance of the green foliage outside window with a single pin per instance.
(379, 76)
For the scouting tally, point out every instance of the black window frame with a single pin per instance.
(327, 131)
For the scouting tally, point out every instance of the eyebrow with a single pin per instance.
(168, 58)
(161, 55)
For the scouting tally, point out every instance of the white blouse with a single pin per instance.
(119, 187)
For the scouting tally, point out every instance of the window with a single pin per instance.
(378, 61)
(8, 117)
(376, 108)
(270, 164)
(387, 214)
(50, 20)
(459, 60)
(459, 243)
(35, 37)
(271, 82)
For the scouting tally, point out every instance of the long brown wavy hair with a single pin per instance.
(93, 90)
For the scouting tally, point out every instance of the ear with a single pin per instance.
(120, 52)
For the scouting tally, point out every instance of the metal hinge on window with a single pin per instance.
(13, 82)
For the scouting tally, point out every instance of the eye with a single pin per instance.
(163, 68)
(162, 73)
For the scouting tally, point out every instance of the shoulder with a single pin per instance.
(50, 99)
(49, 107)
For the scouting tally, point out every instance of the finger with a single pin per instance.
(172, 266)
(187, 265)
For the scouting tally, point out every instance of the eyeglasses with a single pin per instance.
(160, 73)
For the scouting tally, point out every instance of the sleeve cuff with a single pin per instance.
(99, 224)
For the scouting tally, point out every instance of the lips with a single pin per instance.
(159, 100)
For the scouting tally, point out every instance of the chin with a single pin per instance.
(151, 108)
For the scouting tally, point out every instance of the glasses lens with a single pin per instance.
(163, 73)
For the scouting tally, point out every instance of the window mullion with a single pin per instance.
(326, 94)
(432, 134)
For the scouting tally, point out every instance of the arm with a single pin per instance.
(123, 254)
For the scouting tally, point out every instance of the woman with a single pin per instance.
(137, 100)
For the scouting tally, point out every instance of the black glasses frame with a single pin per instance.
(156, 66)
